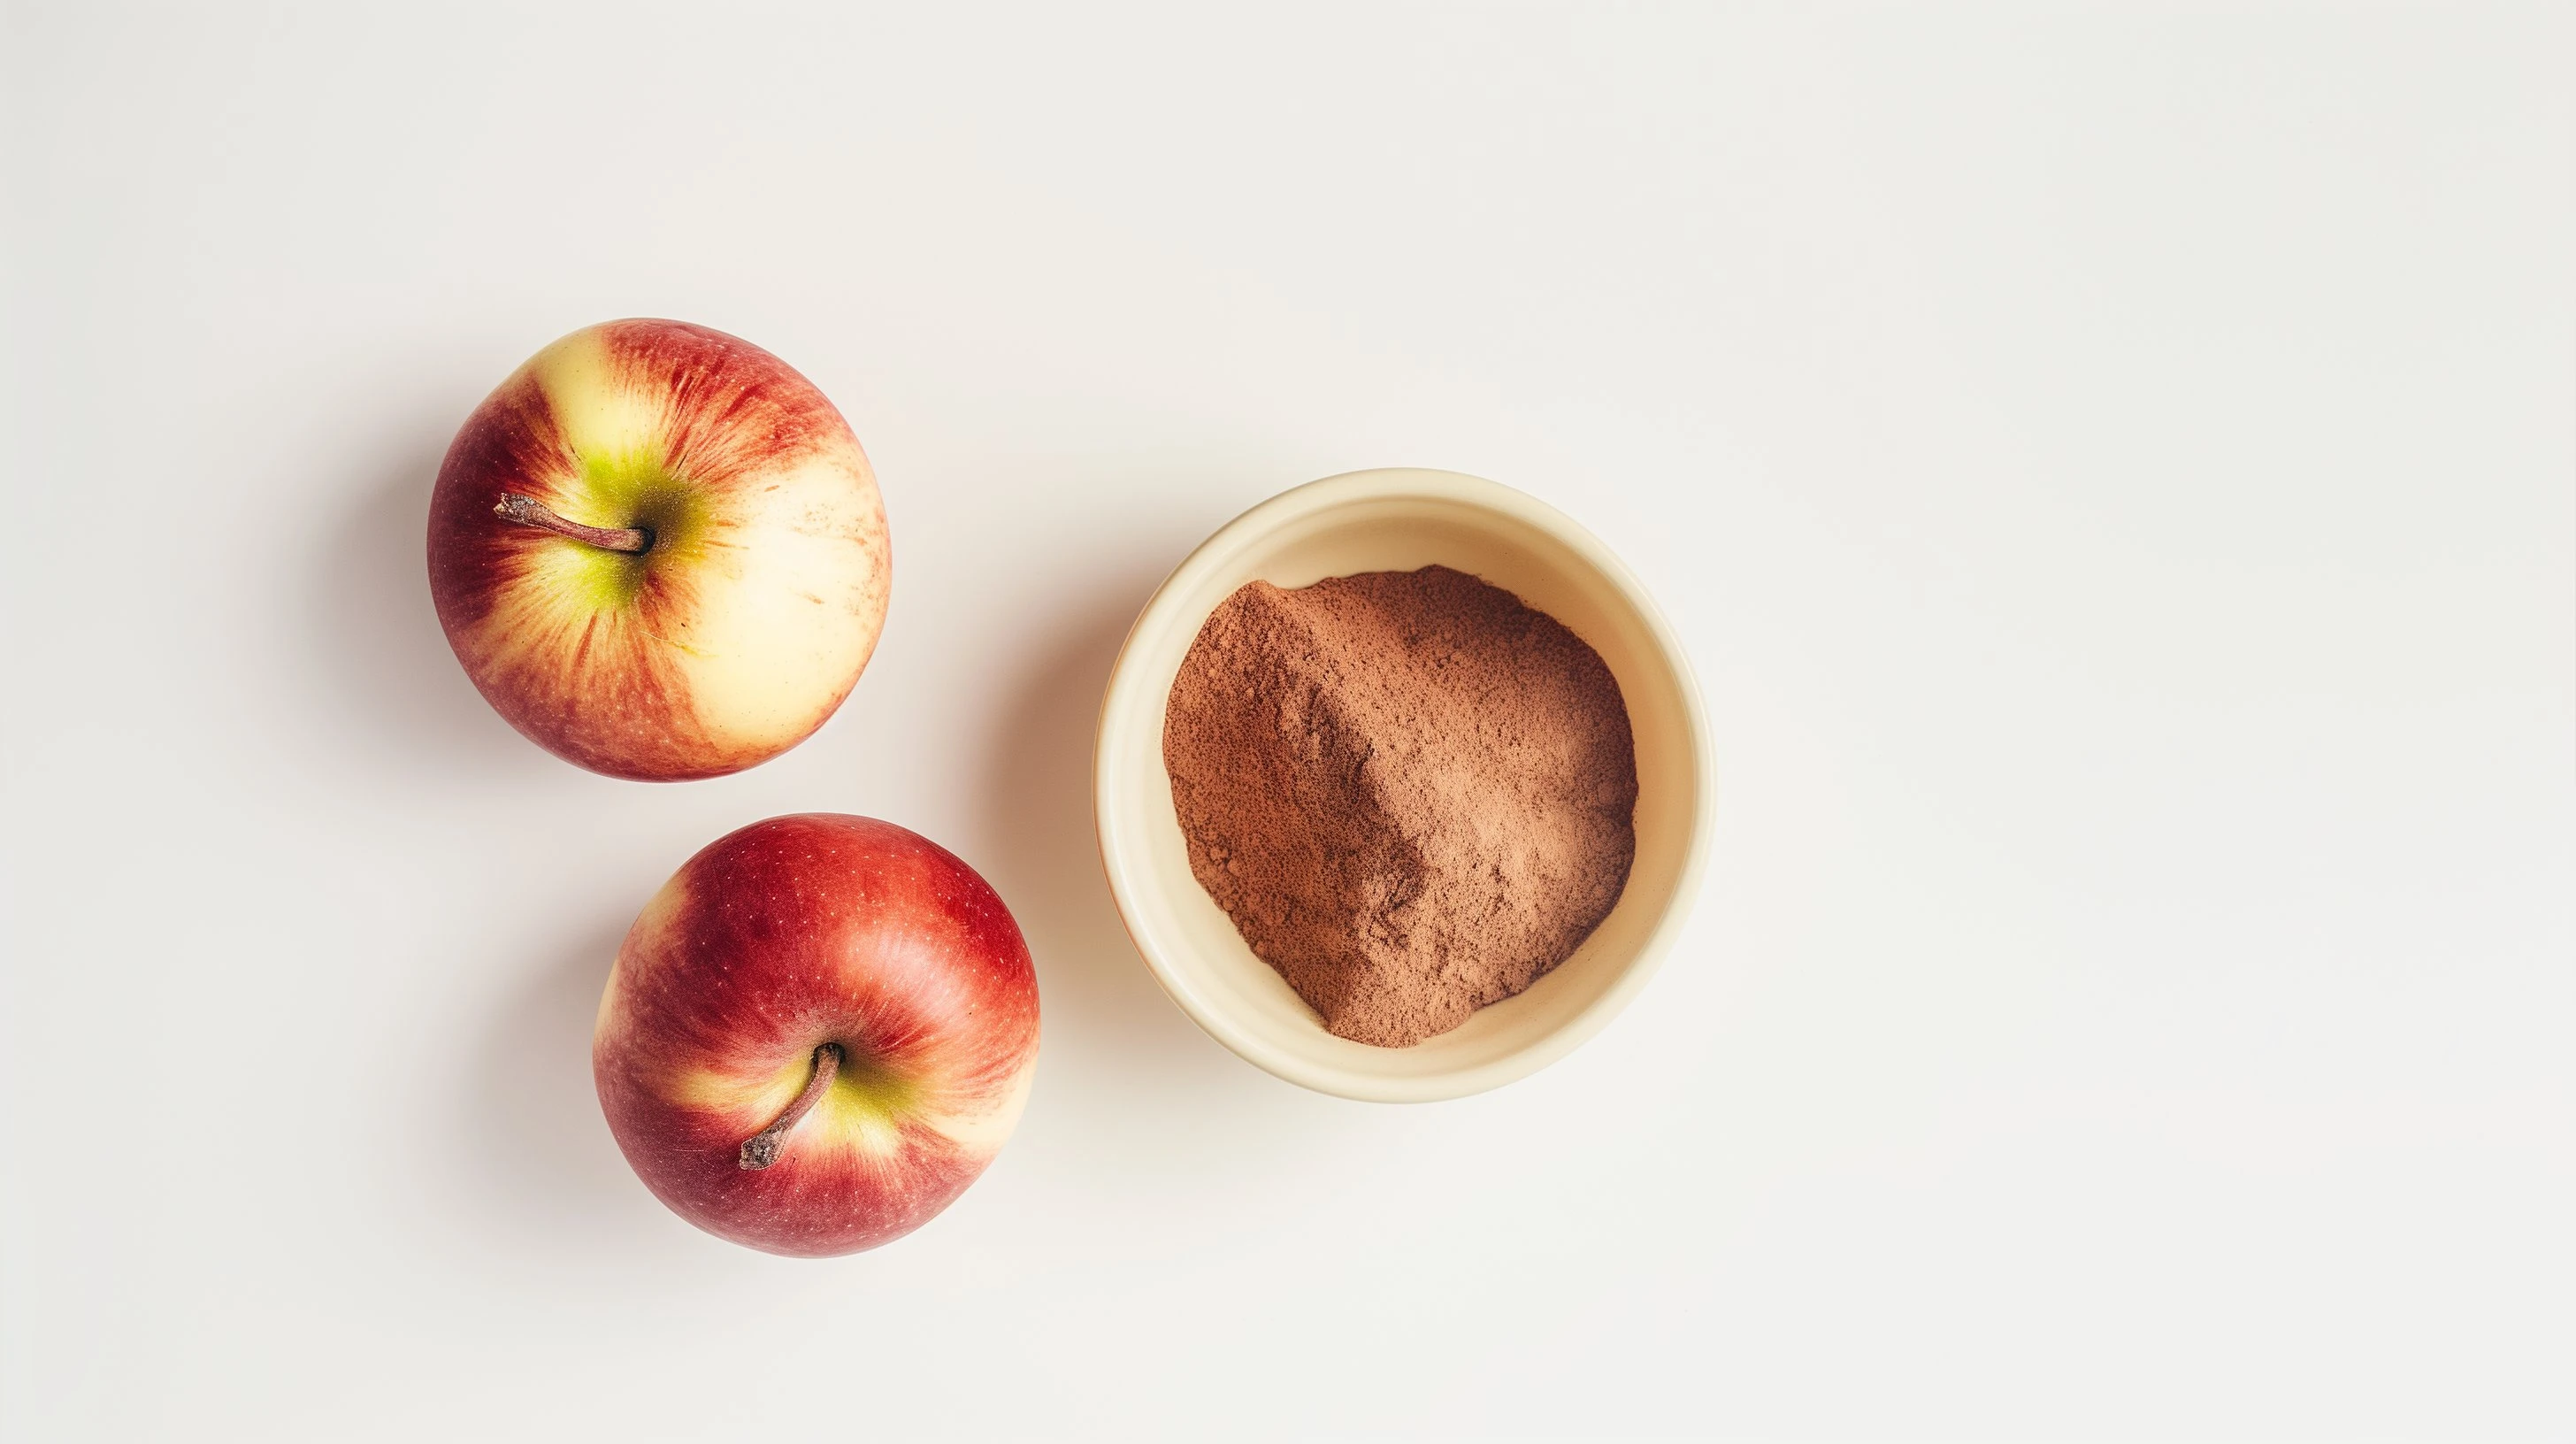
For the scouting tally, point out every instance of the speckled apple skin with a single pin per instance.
(744, 624)
(786, 935)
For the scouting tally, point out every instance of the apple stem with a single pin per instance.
(761, 1149)
(528, 511)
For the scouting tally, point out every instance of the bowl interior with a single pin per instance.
(1397, 521)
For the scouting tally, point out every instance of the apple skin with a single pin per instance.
(774, 940)
(738, 631)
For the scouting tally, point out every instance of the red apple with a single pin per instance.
(819, 1032)
(659, 551)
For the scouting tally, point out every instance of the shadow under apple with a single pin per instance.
(530, 1125)
(376, 634)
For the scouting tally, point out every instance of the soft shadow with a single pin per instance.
(376, 634)
(1107, 1023)
(532, 1125)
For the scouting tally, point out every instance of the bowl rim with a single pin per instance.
(1126, 697)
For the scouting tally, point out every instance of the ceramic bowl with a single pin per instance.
(1395, 521)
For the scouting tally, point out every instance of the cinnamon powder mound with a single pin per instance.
(1413, 794)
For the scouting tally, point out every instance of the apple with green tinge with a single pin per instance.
(659, 551)
(817, 1035)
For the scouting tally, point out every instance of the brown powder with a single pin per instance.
(1413, 794)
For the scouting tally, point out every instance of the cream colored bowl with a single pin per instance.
(1396, 521)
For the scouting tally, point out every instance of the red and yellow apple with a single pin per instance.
(659, 551)
(817, 1035)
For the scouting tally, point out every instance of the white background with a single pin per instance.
(2115, 468)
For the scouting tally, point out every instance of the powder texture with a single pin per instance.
(1414, 794)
